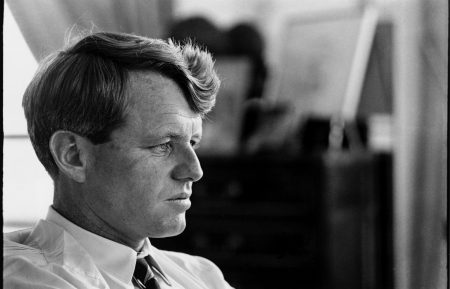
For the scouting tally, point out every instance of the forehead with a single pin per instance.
(153, 89)
(157, 101)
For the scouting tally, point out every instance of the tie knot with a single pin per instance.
(144, 275)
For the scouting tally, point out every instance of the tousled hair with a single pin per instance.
(82, 88)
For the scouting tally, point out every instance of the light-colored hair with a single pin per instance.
(82, 88)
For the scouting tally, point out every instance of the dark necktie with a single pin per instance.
(144, 276)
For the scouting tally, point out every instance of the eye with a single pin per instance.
(195, 144)
(162, 149)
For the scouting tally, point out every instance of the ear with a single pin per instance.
(71, 153)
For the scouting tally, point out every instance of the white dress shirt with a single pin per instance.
(56, 253)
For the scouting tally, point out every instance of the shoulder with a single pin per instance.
(32, 259)
(29, 245)
(16, 251)
(202, 268)
(26, 267)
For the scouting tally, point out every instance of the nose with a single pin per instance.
(188, 167)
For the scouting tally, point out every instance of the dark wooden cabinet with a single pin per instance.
(299, 222)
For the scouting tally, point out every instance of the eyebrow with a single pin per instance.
(181, 136)
(172, 135)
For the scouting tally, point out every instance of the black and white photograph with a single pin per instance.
(225, 144)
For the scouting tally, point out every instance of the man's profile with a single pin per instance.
(115, 119)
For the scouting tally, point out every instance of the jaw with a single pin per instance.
(170, 227)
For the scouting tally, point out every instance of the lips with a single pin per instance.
(181, 196)
(179, 202)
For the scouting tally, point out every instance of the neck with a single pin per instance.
(78, 212)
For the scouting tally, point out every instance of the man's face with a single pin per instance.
(140, 181)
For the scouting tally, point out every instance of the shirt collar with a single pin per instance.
(147, 253)
(112, 258)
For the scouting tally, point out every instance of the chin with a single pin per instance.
(171, 229)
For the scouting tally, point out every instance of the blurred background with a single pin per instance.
(325, 158)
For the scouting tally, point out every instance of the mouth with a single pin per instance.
(180, 202)
(180, 197)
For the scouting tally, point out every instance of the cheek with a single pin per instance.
(140, 182)
(114, 165)
(129, 176)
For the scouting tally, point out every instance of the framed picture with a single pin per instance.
(222, 126)
(323, 62)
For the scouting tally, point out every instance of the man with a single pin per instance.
(115, 120)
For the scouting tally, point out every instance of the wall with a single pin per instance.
(420, 102)
(269, 16)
